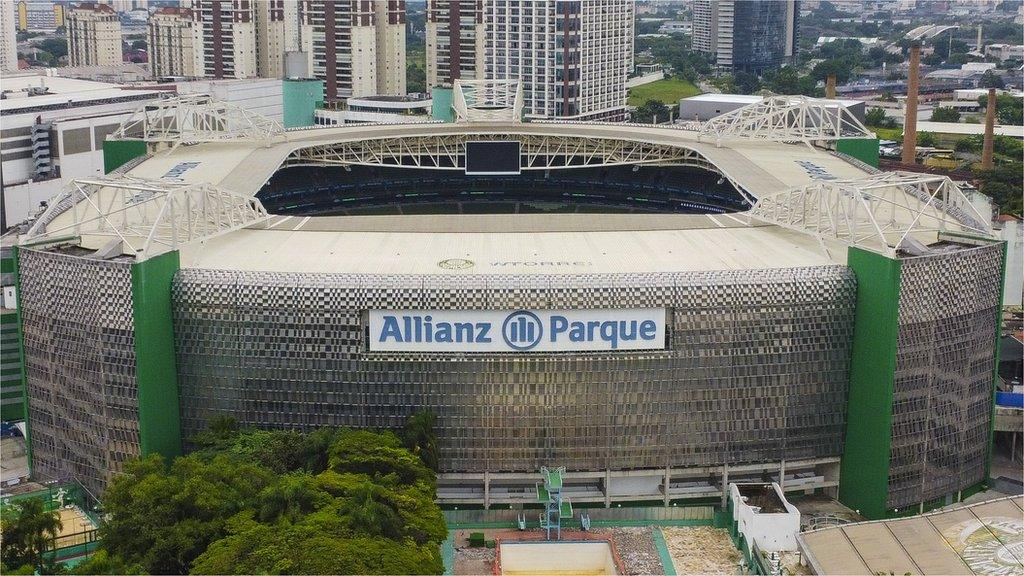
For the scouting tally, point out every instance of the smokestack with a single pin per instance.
(979, 40)
(990, 128)
(830, 86)
(910, 114)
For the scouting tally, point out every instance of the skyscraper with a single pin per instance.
(571, 57)
(171, 42)
(747, 36)
(271, 37)
(356, 48)
(94, 35)
(224, 34)
(455, 41)
(8, 40)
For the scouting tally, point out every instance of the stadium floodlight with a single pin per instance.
(884, 213)
(786, 119)
(149, 217)
(195, 118)
(487, 101)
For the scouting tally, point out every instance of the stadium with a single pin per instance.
(660, 309)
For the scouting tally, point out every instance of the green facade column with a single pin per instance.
(117, 153)
(156, 370)
(864, 471)
(863, 149)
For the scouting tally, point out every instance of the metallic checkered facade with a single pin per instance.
(945, 357)
(79, 340)
(756, 369)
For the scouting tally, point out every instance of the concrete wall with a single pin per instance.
(771, 532)
(1013, 234)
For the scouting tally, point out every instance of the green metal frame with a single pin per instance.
(156, 369)
(864, 469)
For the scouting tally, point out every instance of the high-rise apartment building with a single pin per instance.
(224, 38)
(94, 35)
(455, 41)
(243, 38)
(747, 36)
(357, 48)
(128, 5)
(8, 40)
(171, 42)
(271, 37)
(389, 27)
(571, 57)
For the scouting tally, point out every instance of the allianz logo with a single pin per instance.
(520, 330)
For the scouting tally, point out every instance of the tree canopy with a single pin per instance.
(26, 533)
(273, 502)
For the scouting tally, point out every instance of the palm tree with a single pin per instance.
(29, 534)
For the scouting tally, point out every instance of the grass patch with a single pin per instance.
(668, 91)
(886, 133)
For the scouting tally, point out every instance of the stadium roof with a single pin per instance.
(507, 244)
(983, 538)
(809, 188)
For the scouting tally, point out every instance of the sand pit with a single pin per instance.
(74, 524)
(552, 558)
(701, 550)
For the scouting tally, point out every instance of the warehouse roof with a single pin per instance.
(983, 538)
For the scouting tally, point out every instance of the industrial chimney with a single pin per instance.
(980, 51)
(910, 114)
(990, 128)
(830, 86)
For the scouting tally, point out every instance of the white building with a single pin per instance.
(8, 40)
(171, 43)
(866, 43)
(53, 131)
(1010, 230)
(764, 516)
(1004, 52)
(572, 58)
(94, 35)
(264, 96)
(128, 5)
(377, 110)
(704, 107)
(676, 27)
(455, 42)
(224, 38)
(356, 48)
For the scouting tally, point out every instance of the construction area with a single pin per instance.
(654, 550)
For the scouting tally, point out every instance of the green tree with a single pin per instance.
(991, 80)
(746, 83)
(945, 114)
(58, 47)
(843, 69)
(27, 532)
(420, 437)
(926, 139)
(875, 117)
(415, 78)
(164, 517)
(377, 455)
(293, 496)
(651, 111)
(1009, 110)
(968, 144)
(272, 502)
(103, 562)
